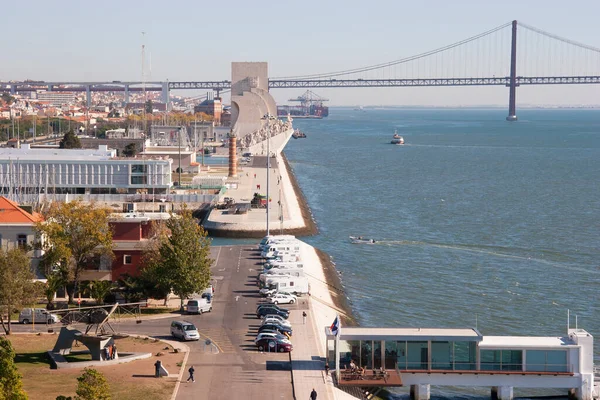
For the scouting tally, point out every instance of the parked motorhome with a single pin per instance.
(282, 272)
(283, 265)
(267, 240)
(291, 248)
(296, 285)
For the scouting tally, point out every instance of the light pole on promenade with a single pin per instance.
(268, 118)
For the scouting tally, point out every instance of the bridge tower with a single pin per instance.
(512, 85)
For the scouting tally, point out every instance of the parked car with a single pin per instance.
(267, 291)
(271, 335)
(283, 298)
(268, 344)
(276, 319)
(268, 305)
(268, 310)
(38, 316)
(279, 328)
(184, 330)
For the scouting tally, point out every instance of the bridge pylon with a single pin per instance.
(512, 85)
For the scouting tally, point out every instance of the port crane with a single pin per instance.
(310, 98)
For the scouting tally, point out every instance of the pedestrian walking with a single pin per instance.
(313, 394)
(326, 369)
(106, 354)
(304, 317)
(191, 377)
(114, 354)
(254, 176)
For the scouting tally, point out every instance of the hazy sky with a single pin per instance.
(197, 40)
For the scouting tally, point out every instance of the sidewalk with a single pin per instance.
(308, 366)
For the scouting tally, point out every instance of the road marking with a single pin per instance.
(237, 298)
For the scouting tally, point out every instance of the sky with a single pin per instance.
(198, 40)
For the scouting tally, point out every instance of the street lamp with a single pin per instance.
(268, 117)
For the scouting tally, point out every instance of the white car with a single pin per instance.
(272, 318)
(273, 335)
(282, 298)
(267, 292)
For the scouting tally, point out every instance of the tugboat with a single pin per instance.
(397, 139)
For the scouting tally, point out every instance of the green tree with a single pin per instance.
(11, 387)
(130, 150)
(99, 290)
(148, 106)
(76, 235)
(92, 385)
(182, 262)
(7, 98)
(70, 141)
(17, 285)
(54, 281)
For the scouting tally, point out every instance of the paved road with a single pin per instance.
(238, 369)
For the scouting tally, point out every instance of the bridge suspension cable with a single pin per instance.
(556, 37)
(400, 61)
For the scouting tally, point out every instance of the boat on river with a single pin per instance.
(361, 240)
(397, 139)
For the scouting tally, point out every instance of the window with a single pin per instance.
(550, 360)
(21, 240)
(139, 169)
(139, 180)
(501, 360)
(127, 259)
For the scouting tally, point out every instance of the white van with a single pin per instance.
(198, 306)
(39, 316)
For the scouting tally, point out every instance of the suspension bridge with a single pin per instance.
(491, 58)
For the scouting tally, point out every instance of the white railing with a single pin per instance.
(131, 198)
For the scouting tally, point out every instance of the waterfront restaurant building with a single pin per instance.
(384, 357)
(80, 171)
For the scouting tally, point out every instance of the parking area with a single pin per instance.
(238, 368)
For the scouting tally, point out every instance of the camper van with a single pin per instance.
(267, 240)
(284, 272)
(295, 285)
(282, 258)
(282, 266)
(282, 248)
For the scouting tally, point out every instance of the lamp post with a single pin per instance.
(268, 118)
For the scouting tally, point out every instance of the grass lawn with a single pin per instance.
(134, 380)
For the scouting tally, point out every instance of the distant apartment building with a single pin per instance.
(213, 107)
(80, 171)
(55, 98)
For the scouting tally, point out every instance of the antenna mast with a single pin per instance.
(144, 79)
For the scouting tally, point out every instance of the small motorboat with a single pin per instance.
(361, 240)
(397, 139)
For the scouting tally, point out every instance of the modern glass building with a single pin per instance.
(460, 357)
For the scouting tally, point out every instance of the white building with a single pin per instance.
(79, 171)
(56, 98)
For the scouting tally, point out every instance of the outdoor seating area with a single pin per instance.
(362, 377)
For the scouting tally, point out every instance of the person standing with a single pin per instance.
(304, 317)
(313, 394)
(114, 352)
(191, 377)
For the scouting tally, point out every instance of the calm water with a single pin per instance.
(478, 221)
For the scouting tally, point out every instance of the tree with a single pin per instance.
(182, 262)
(54, 281)
(148, 106)
(92, 385)
(77, 235)
(17, 285)
(11, 387)
(70, 141)
(130, 150)
(99, 290)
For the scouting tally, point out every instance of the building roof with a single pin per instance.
(11, 213)
(410, 334)
(524, 342)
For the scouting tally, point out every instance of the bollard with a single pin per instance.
(157, 366)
